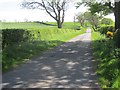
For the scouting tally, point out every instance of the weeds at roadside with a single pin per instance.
(108, 60)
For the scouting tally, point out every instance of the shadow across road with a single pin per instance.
(69, 65)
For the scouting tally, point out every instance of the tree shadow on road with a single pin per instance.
(69, 65)
(18, 53)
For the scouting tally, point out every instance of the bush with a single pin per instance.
(77, 27)
(107, 57)
(12, 36)
(105, 29)
(107, 21)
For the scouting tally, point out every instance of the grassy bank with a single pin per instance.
(107, 56)
(43, 38)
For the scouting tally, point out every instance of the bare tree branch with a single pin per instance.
(55, 8)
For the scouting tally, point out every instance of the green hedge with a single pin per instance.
(12, 36)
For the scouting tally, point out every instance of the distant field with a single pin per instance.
(21, 25)
(33, 25)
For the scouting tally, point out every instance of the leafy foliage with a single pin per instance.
(108, 60)
(88, 17)
(81, 18)
(107, 21)
(12, 36)
(100, 7)
(105, 29)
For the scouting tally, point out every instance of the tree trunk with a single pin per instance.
(59, 21)
(59, 24)
(117, 24)
(117, 15)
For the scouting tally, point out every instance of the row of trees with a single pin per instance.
(94, 20)
(88, 17)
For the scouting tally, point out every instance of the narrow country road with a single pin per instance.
(69, 65)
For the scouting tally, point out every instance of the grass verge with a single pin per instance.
(107, 56)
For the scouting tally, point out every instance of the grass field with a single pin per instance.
(21, 25)
(44, 37)
(33, 25)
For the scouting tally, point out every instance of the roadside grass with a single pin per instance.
(42, 39)
(107, 56)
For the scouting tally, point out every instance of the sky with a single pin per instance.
(10, 11)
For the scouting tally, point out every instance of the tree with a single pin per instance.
(88, 17)
(92, 19)
(117, 15)
(104, 8)
(81, 18)
(55, 8)
(98, 7)
(117, 24)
